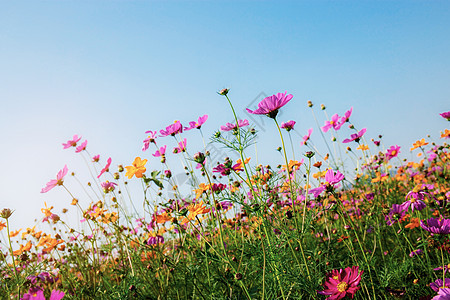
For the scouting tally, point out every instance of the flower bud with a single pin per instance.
(120, 167)
(223, 92)
(6, 213)
(310, 104)
(309, 154)
(322, 107)
(167, 173)
(199, 157)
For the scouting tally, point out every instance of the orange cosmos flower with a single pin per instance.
(362, 147)
(195, 210)
(2, 225)
(137, 169)
(445, 134)
(418, 144)
(415, 222)
(163, 218)
(14, 233)
(22, 249)
(201, 189)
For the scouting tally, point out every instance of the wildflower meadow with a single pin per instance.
(339, 216)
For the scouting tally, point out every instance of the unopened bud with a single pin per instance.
(223, 92)
(309, 154)
(199, 157)
(120, 168)
(322, 107)
(6, 213)
(310, 104)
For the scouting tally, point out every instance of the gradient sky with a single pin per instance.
(110, 70)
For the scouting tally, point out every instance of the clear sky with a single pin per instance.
(110, 70)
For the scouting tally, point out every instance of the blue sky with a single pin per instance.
(110, 70)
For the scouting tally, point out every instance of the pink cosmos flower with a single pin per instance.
(356, 136)
(392, 152)
(225, 171)
(172, 129)
(181, 147)
(347, 115)
(160, 152)
(446, 115)
(198, 124)
(106, 168)
(415, 252)
(306, 137)
(397, 212)
(154, 240)
(438, 226)
(96, 158)
(150, 139)
(57, 295)
(269, 106)
(333, 123)
(81, 147)
(58, 181)
(288, 125)
(229, 126)
(35, 292)
(342, 283)
(72, 143)
(331, 179)
(443, 294)
(108, 186)
(439, 283)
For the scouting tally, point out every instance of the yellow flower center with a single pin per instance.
(331, 122)
(342, 286)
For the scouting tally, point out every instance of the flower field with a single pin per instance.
(351, 220)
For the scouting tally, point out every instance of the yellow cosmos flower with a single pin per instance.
(137, 169)
(362, 147)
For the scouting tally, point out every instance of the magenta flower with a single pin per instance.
(306, 137)
(181, 147)
(439, 284)
(333, 123)
(415, 252)
(347, 115)
(288, 125)
(35, 293)
(81, 147)
(106, 168)
(225, 171)
(414, 199)
(108, 186)
(342, 283)
(446, 115)
(392, 152)
(72, 143)
(160, 152)
(443, 294)
(54, 182)
(356, 136)
(198, 124)
(396, 213)
(229, 126)
(269, 106)
(96, 158)
(437, 226)
(155, 240)
(331, 179)
(150, 139)
(56, 295)
(172, 129)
